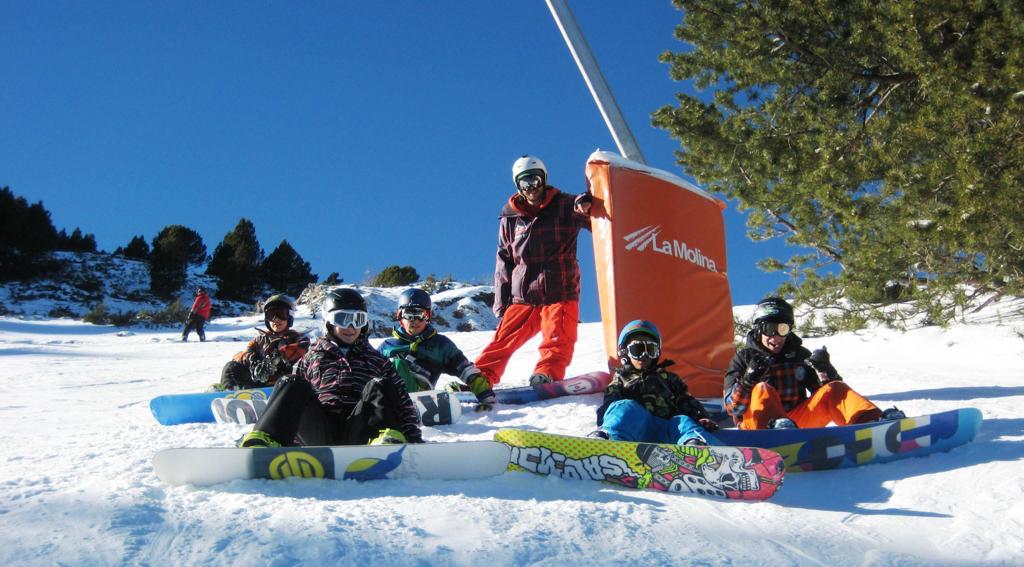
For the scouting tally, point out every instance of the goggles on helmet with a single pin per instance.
(774, 329)
(348, 318)
(530, 181)
(276, 312)
(643, 349)
(414, 314)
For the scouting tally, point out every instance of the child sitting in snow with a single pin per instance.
(647, 403)
(421, 354)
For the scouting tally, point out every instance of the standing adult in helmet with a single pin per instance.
(343, 391)
(774, 382)
(536, 276)
(271, 354)
(646, 402)
(421, 354)
(198, 315)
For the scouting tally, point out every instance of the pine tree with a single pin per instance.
(236, 263)
(137, 249)
(884, 139)
(26, 235)
(284, 270)
(175, 247)
(395, 276)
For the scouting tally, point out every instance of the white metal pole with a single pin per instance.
(599, 88)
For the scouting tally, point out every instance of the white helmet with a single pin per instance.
(528, 164)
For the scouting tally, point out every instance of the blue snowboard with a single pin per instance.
(176, 409)
(854, 445)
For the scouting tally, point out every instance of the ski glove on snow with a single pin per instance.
(481, 388)
(819, 361)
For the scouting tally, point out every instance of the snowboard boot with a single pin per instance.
(696, 440)
(256, 439)
(782, 423)
(598, 434)
(892, 414)
(538, 379)
(388, 437)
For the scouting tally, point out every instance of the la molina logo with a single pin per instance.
(647, 237)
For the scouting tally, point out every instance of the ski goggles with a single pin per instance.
(643, 349)
(774, 329)
(276, 312)
(414, 314)
(348, 318)
(528, 182)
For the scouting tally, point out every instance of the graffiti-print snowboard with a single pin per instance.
(736, 473)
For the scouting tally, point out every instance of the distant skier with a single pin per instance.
(421, 354)
(343, 391)
(536, 276)
(645, 401)
(768, 382)
(198, 315)
(271, 354)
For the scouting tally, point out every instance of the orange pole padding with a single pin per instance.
(659, 250)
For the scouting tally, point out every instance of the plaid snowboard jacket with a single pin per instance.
(536, 260)
(788, 372)
(338, 378)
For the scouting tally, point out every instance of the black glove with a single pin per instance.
(756, 371)
(708, 424)
(583, 202)
(819, 361)
(262, 370)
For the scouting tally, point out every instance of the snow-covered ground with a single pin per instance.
(77, 485)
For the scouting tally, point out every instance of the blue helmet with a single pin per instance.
(639, 326)
(414, 297)
(633, 328)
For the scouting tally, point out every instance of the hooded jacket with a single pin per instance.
(788, 372)
(662, 393)
(338, 376)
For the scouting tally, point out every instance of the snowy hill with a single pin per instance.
(87, 279)
(77, 485)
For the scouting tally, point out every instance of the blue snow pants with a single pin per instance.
(628, 420)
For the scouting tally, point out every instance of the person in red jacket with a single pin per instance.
(197, 316)
(536, 276)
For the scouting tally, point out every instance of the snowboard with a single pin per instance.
(735, 473)
(175, 409)
(450, 461)
(434, 407)
(835, 447)
(589, 383)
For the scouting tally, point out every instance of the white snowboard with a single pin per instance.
(434, 407)
(452, 461)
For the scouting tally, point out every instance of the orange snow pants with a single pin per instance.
(833, 402)
(557, 324)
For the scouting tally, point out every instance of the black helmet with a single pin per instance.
(344, 299)
(279, 300)
(414, 297)
(773, 310)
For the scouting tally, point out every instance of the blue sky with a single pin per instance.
(365, 133)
